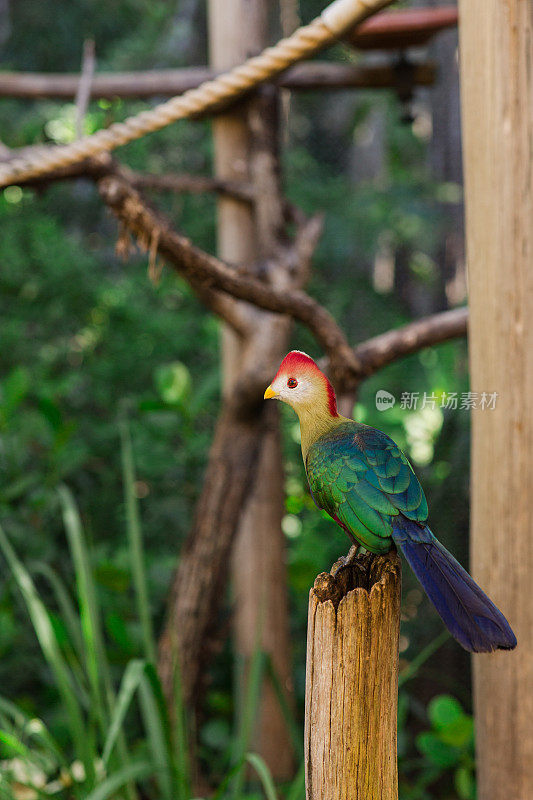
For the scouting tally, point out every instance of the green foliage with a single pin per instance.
(86, 340)
(79, 337)
(447, 749)
(121, 742)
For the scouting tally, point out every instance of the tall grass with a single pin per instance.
(102, 758)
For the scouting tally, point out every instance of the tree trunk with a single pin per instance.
(352, 680)
(497, 107)
(194, 598)
(246, 148)
(260, 598)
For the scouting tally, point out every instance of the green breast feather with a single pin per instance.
(363, 480)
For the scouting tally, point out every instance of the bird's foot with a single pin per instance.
(348, 560)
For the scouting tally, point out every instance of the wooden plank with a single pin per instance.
(246, 149)
(410, 27)
(497, 107)
(168, 83)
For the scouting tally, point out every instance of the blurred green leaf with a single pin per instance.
(465, 784)
(112, 576)
(117, 629)
(7, 630)
(51, 412)
(460, 732)
(15, 387)
(438, 752)
(444, 710)
(173, 382)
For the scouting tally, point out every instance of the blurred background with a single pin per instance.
(87, 341)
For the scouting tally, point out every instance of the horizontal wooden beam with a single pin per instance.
(410, 27)
(168, 83)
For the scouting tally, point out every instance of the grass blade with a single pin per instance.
(17, 783)
(90, 618)
(140, 676)
(98, 671)
(158, 734)
(52, 653)
(264, 775)
(134, 530)
(136, 771)
(32, 727)
(294, 729)
(64, 602)
(73, 649)
(180, 736)
(297, 788)
(248, 713)
(411, 670)
(19, 717)
(130, 683)
(229, 777)
(12, 742)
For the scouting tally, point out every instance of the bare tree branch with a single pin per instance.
(347, 367)
(376, 353)
(150, 238)
(212, 273)
(216, 282)
(194, 184)
(382, 350)
(99, 167)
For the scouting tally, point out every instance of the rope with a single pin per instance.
(335, 20)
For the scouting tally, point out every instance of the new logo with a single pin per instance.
(384, 400)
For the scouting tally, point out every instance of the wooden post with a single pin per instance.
(352, 680)
(496, 47)
(246, 150)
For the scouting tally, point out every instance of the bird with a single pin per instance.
(363, 480)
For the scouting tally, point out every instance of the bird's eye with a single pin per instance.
(292, 383)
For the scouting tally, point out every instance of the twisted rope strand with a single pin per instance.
(307, 40)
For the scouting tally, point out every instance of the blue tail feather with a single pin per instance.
(470, 616)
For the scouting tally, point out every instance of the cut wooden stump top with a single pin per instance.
(368, 572)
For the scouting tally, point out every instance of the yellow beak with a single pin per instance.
(269, 392)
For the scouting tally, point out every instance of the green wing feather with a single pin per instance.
(363, 480)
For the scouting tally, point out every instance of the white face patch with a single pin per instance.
(298, 395)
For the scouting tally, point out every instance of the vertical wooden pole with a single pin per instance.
(238, 29)
(352, 681)
(496, 47)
